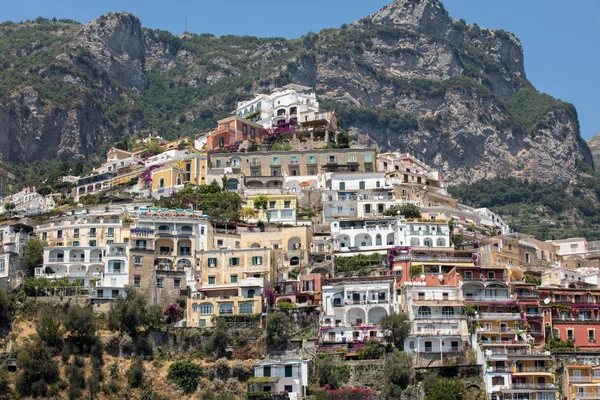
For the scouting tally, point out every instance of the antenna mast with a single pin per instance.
(185, 29)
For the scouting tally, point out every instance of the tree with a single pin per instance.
(6, 311)
(396, 327)
(247, 213)
(33, 255)
(399, 373)
(128, 313)
(373, 350)
(446, 389)
(408, 211)
(328, 373)
(262, 203)
(219, 340)
(49, 331)
(79, 321)
(135, 374)
(9, 206)
(279, 329)
(186, 375)
(38, 369)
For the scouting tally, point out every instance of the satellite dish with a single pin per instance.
(423, 277)
(547, 300)
(441, 277)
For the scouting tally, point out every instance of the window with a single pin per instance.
(234, 261)
(342, 185)
(288, 388)
(110, 232)
(75, 244)
(76, 233)
(219, 163)
(202, 322)
(275, 161)
(287, 214)
(294, 160)
(137, 260)
(311, 160)
(117, 266)
(212, 262)
(92, 232)
(378, 184)
(244, 129)
(161, 183)
(498, 380)
(2, 267)
(233, 279)
(245, 308)
(222, 141)
(367, 157)
(352, 158)
(92, 243)
(211, 280)
(206, 309)
(271, 204)
(176, 282)
(491, 275)
(137, 281)
(257, 260)
(288, 371)
(570, 334)
(252, 133)
(226, 309)
(44, 236)
(219, 242)
(195, 307)
(159, 282)
(361, 185)
(287, 204)
(266, 371)
(468, 275)
(591, 335)
(59, 234)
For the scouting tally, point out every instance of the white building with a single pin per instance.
(363, 234)
(353, 307)
(438, 318)
(423, 234)
(116, 272)
(13, 237)
(492, 220)
(289, 376)
(29, 200)
(289, 104)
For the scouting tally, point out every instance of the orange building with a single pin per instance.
(233, 130)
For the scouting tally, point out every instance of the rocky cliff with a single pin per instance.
(406, 78)
(594, 144)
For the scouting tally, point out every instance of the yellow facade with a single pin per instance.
(94, 231)
(217, 267)
(279, 207)
(581, 381)
(201, 311)
(190, 170)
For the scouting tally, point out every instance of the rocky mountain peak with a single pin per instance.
(116, 42)
(594, 144)
(422, 16)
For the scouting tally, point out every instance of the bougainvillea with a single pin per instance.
(173, 313)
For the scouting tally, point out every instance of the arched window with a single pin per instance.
(178, 180)
(163, 228)
(161, 183)
(251, 293)
(415, 242)
(441, 242)
(427, 242)
(411, 345)
(378, 240)
(206, 309)
(424, 311)
(294, 261)
(186, 229)
(195, 307)
(447, 311)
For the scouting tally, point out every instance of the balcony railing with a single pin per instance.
(56, 259)
(536, 369)
(486, 298)
(580, 379)
(435, 332)
(499, 316)
(535, 386)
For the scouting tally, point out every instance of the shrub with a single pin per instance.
(222, 370)
(49, 331)
(327, 373)
(135, 374)
(279, 328)
(37, 366)
(241, 370)
(185, 374)
(373, 350)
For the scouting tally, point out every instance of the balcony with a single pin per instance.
(56, 259)
(491, 299)
(96, 259)
(535, 386)
(438, 332)
(580, 379)
(587, 396)
(499, 316)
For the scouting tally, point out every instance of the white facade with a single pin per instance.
(491, 219)
(82, 264)
(423, 234)
(28, 200)
(289, 376)
(438, 320)
(116, 272)
(359, 181)
(363, 234)
(283, 104)
(405, 162)
(13, 238)
(570, 246)
(352, 309)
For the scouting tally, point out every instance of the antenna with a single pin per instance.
(185, 29)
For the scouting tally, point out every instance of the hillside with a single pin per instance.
(407, 77)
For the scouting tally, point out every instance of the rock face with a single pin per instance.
(406, 78)
(594, 144)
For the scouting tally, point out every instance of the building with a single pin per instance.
(163, 252)
(581, 382)
(232, 131)
(172, 177)
(13, 237)
(254, 165)
(438, 320)
(281, 208)
(116, 272)
(224, 266)
(352, 308)
(285, 377)
(235, 298)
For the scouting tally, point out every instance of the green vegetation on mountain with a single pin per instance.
(546, 211)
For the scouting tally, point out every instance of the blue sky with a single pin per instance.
(561, 38)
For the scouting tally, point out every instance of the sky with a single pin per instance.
(561, 38)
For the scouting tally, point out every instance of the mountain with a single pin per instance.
(594, 144)
(406, 78)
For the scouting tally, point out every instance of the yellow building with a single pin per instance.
(89, 230)
(173, 176)
(581, 382)
(222, 266)
(281, 208)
